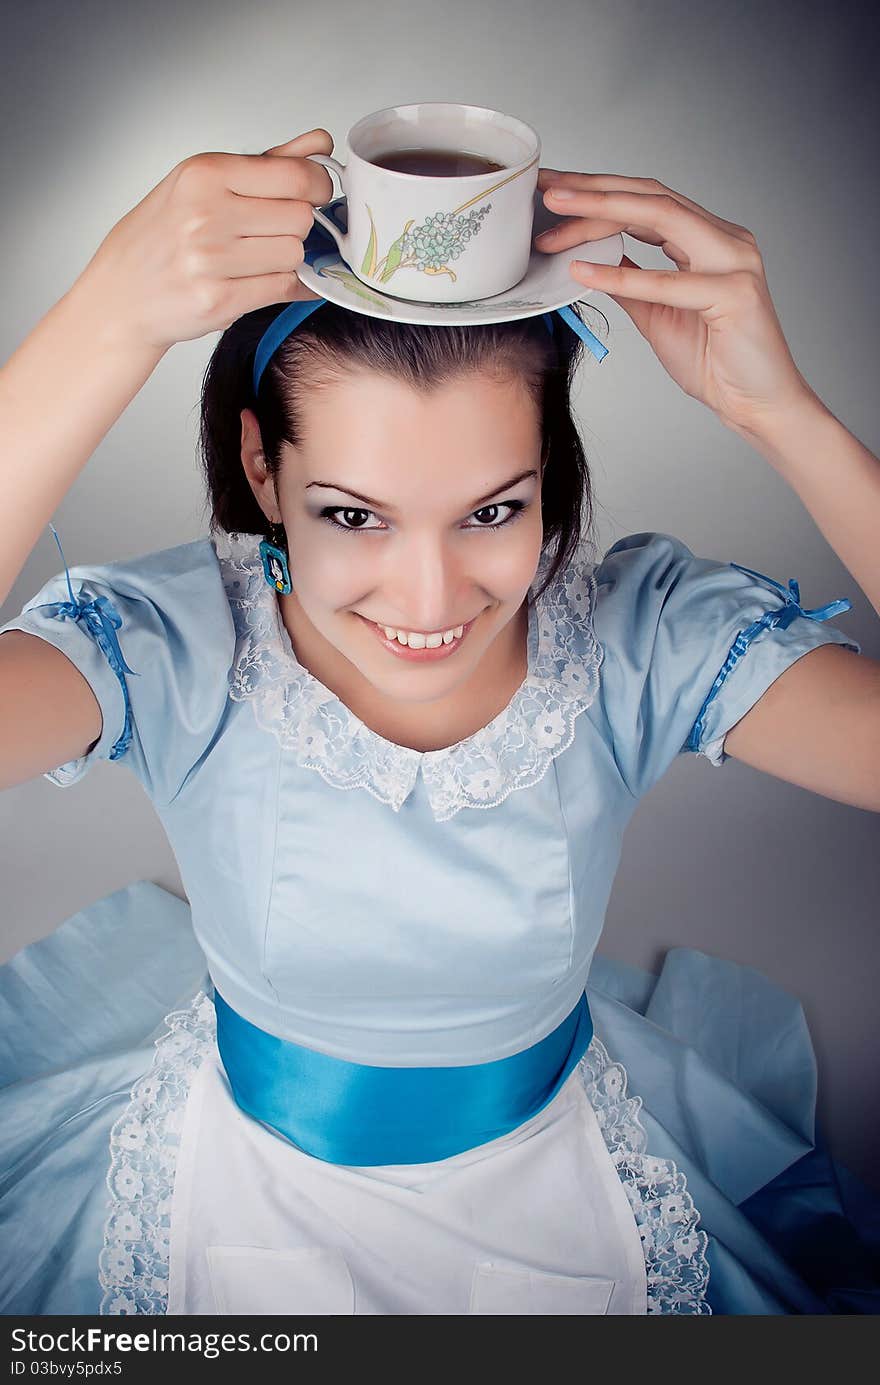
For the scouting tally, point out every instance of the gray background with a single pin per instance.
(762, 113)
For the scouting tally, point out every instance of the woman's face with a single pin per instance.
(421, 512)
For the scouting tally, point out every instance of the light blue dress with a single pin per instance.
(289, 819)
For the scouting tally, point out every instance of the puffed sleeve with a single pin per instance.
(154, 638)
(689, 645)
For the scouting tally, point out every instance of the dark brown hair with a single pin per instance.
(333, 340)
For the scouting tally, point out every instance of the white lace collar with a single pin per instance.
(512, 752)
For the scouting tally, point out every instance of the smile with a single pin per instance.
(442, 644)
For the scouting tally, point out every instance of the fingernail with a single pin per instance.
(548, 234)
(562, 194)
(584, 268)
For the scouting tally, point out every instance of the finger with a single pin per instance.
(659, 219)
(266, 216)
(289, 174)
(551, 177)
(574, 230)
(317, 141)
(247, 295)
(567, 234)
(714, 294)
(640, 313)
(253, 255)
(610, 182)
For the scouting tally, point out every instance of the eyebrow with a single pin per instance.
(380, 505)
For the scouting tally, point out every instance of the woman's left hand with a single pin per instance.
(710, 321)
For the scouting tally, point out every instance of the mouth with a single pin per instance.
(425, 655)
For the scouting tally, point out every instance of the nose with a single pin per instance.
(427, 588)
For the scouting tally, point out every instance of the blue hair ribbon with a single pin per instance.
(320, 243)
(780, 619)
(100, 617)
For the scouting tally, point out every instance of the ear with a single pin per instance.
(254, 463)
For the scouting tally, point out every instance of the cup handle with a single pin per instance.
(334, 166)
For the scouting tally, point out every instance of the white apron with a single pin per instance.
(534, 1222)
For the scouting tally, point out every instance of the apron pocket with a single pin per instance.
(256, 1280)
(508, 1290)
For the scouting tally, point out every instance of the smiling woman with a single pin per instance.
(397, 859)
(437, 421)
(391, 376)
(423, 566)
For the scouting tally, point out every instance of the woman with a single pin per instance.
(396, 781)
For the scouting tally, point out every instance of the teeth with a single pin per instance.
(414, 641)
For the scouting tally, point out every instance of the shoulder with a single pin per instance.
(164, 575)
(172, 589)
(154, 637)
(689, 644)
(644, 580)
(648, 558)
(619, 598)
(652, 583)
(173, 607)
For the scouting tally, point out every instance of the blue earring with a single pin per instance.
(275, 568)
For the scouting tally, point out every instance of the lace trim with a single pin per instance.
(512, 752)
(714, 750)
(144, 1140)
(674, 1249)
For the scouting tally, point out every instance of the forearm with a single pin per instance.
(836, 478)
(60, 394)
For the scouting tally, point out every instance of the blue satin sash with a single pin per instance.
(353, 1113)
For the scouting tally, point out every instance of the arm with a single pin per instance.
(60, 394)
(712, 324)
(48, 712)
(818, 725)
(837, 479)
(202, 249)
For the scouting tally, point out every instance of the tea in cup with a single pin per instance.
(439, 201)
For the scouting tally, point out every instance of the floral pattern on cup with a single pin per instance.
(351, 282)
(442, 236)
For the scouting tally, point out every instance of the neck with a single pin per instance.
(425, 725)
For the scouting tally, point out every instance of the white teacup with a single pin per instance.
(433, 238)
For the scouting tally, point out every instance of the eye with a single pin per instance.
(330, 512)
(516, 508)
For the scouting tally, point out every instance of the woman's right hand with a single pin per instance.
(220, 236)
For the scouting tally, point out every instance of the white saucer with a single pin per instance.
(546, 284)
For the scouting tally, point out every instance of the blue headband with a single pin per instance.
(295, 313)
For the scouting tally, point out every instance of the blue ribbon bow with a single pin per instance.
(793, 607)
(770, 620)
(101, 618)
